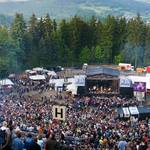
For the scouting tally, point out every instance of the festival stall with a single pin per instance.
(133, 111)
(6, 84)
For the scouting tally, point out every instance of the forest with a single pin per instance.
(44, 42)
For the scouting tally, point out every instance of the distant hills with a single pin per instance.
(66, 8)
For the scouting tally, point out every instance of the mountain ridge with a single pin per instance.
(67, 8)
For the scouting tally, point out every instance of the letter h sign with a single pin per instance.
(59, 112)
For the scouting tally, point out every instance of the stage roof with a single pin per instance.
(91, 71)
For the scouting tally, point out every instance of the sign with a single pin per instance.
(126, 112)
(59, 112)
(124, 82)
(133, 110)
(80, 80)
(139, 86)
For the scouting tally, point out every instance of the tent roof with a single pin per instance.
(37, 69)
(37, 77)
(6, 82)
(57, 82)
(51, 73)
(32, 72)
(133, 110)
(101, 70)
(144, 110)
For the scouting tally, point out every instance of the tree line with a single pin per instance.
(45, 42)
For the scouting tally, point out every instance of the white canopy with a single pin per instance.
(6, 82)
(11, 75)
(70, 80)
(37, 77)
(37, 69)
(51, 73)
(72, 88)
(27, 71)
(57, 82)
(32, 72)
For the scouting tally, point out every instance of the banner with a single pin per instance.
(80, 80)
(126, 112)
(124, 82)
(59, 112)
(139, 86)
(140, 96)
(133, 110)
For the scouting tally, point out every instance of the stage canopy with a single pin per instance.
(92, 71)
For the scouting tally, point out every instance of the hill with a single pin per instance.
(66, 8)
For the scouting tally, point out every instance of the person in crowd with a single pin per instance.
(122, 145)
(40, 142)
(17, 143)
(51, 143)
(28, 142)
(6, 145)
(35, 145)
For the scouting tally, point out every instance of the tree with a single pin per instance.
(147, 47)
(119, 58)
(85, 55)
(18, 30)
(99, 55)
(136, 38)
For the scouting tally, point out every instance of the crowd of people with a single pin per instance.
(91, 122)
(102, 90)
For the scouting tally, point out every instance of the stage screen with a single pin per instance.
(139, 86)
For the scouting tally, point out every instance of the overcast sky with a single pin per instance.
(146, 1)
(2, 1)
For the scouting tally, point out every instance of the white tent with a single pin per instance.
(32, 72)
(45, 70)
(57, 82)
(51, 73)
(37, 77)
(27, 71)
(6, 82)
(72, 88)
(37, 69)
(11, 76)
(70, 80)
